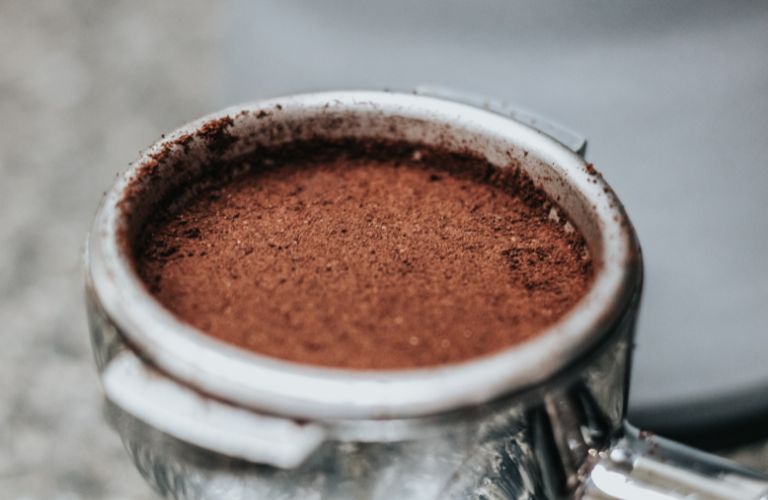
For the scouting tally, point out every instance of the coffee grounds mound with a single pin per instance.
(364, 256)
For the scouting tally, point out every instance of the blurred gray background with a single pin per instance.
(672, 95)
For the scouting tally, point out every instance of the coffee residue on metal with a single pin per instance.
(364, 255)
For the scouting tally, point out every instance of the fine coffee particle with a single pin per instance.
(364, 256)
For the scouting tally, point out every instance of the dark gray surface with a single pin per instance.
(673, 97)
(674, 101)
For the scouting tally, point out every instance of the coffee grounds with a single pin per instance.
(364, 257)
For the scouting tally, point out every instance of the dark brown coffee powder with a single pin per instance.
(366, 257)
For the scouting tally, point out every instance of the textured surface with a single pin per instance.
(83, 86)
(398, 258)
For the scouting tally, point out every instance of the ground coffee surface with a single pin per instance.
(370, 257)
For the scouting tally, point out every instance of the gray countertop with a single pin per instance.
(85, 85)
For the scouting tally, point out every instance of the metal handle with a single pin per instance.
(210, 424)
(642, 466)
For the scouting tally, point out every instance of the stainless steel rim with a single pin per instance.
(303, 391)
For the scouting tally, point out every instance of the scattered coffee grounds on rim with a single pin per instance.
(364, 255)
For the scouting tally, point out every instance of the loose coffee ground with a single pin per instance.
(364, 256)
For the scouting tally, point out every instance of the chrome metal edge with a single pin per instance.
(280, 387)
